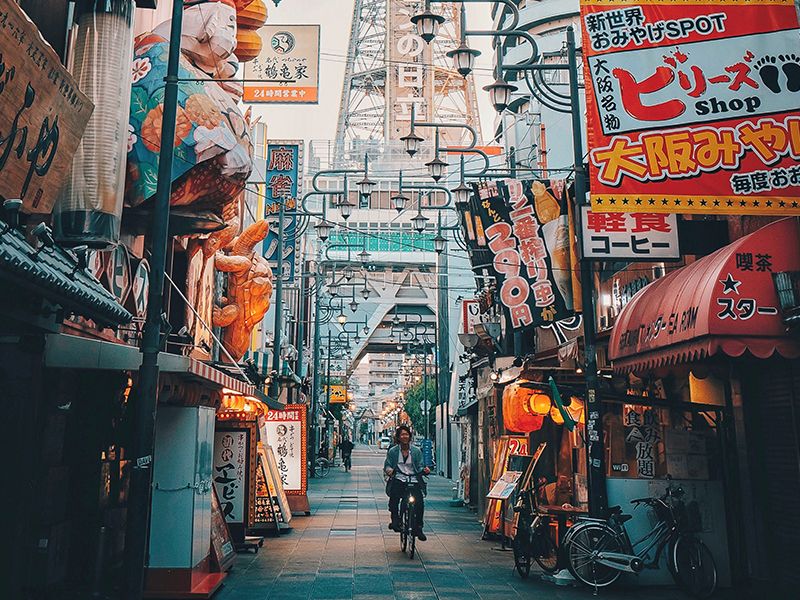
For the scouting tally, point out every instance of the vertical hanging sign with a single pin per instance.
(283, 185)
(693, 107)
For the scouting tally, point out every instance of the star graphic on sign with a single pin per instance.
(729, 284)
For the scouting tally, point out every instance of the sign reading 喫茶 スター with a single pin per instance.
(693, 108)
(44, 114)
(287, 66)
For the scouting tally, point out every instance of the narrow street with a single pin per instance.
(345, 550)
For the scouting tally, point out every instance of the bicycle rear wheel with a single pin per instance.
(545, 551)
(580, 554)
(692, 566)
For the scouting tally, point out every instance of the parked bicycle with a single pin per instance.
(408, 515)
(533, 539)
(598, 551)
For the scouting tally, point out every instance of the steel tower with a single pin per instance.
(389, 68)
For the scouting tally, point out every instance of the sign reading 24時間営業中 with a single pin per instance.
(693, 108)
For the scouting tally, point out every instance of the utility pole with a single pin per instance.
(443, 353)
(314, 421)
(146, 399)
(594, 407)
(275, 386)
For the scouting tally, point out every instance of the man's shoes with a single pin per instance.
(420, 535)
(395, 525)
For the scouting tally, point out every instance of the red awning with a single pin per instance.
(723, 303)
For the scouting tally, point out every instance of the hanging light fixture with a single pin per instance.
(419, 221)
(364, 256)
(365, 293)
(439, 242)
(395, 320)
(366, 185)
(333, 288)
(399, 202)
(436, 167)
(324, 229)
(354, 305)
(427, 23)
(348, 273)
(463, 58)
(500, 93)
(346, 207)
(366, 330)
(342, 318)
(411, 142)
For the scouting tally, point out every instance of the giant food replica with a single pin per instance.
(212, 155)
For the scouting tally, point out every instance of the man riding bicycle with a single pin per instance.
(404, 465)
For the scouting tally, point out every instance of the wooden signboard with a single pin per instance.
(286, 432)
(44, 114)
(273, 480)
(222, 550)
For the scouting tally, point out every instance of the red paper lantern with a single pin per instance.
(517, 414)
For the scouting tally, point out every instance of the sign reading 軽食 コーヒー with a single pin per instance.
(693, 107)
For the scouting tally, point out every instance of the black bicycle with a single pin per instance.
(407, 516)
(348, 463)
(597, 551)
(533, 539)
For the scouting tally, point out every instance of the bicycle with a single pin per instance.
(598, 551)
(407, 515)
(348, 463)
(322, 467)
(533, 538)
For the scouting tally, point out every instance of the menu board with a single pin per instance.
(266, 515)
(222, 549)
(273, 479)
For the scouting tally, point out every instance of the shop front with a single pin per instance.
(711, 401)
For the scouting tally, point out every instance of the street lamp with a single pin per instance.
(342, 318)
(324, 229)
(427, 23)
(436, 167)
(411, 141)
(365, 294)
(354, 305)
(346, 207)
(333, 288)
(348, 273)
(461, 193)
(463, 58)
(500, 93)
(366, 330)
(399, 202)
(366, 185)
(419, 221)
(364, 256)
(439, 242)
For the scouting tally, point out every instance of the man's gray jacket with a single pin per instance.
(393, 457)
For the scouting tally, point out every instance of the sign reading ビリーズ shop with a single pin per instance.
(526, 231)
(44, 114)
(693, 108)
(629, 236)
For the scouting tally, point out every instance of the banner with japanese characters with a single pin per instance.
(526, 232)
(629, 236)
(283, 185)
(693, 108)
(287, 68)
(230, 473)
(286, 433)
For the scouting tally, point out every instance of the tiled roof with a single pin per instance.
(51, 273)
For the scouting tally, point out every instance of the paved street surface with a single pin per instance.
(345, 550)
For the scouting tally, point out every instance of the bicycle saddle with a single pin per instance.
(616, 511)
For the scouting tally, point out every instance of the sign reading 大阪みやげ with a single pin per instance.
(693, 108)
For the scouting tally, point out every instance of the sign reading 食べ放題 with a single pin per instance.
(693, 108)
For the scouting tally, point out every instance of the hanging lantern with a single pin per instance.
(556, 415)
(539, 403)
(516, 413)
(248, 44)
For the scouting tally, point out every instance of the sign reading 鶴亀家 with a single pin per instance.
(44, 114)
(283, 185)
(693, 108)
(629, 236)
(286, 433)
(526, 232)
(287, 68)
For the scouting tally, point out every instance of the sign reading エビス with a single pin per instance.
(693, 108)
(44, 114)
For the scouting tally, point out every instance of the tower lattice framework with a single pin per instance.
(390, 68)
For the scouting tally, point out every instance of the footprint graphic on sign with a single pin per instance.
(770, 67)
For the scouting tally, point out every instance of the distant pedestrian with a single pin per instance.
(347, 450)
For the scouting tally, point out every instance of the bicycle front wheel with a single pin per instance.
(403, 526)
(323, 467)
(692, 566)
(581, 557)
(412, 525)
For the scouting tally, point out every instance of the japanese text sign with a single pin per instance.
(287, 69)
(230, 473)
(44, 114)
(338, 394)
(283, 184)
(286, 433)
(470, 315)
(629, 236)
(693, 108)
(527, 234)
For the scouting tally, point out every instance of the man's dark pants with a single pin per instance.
(398, 491)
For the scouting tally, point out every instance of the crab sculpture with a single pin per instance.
(249, 289)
